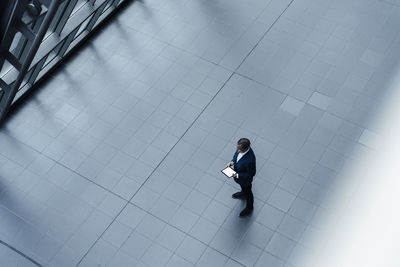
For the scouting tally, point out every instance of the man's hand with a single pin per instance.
(230, 163)
(234, 175)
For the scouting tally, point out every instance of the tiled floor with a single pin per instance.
(116, 160)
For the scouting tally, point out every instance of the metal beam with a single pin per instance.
(10, 30)
(13, 60)
(5, 13)
(23, 28)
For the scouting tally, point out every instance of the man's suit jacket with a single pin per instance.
(245, 167)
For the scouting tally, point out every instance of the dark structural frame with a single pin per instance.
(35, 35)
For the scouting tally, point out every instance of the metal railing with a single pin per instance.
(32, 44)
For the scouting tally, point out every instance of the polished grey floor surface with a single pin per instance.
(116, 159)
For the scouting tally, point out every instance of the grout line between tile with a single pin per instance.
(20, 253)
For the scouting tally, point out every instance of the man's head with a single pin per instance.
(243, 144)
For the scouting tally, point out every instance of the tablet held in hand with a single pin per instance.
(228, 171)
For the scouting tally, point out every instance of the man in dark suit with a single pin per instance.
(244, 163)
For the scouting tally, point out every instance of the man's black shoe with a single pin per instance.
(246, 212)
(238, 195)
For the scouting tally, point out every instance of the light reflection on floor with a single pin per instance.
(360, 226)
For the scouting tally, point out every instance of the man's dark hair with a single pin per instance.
(243, 144)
